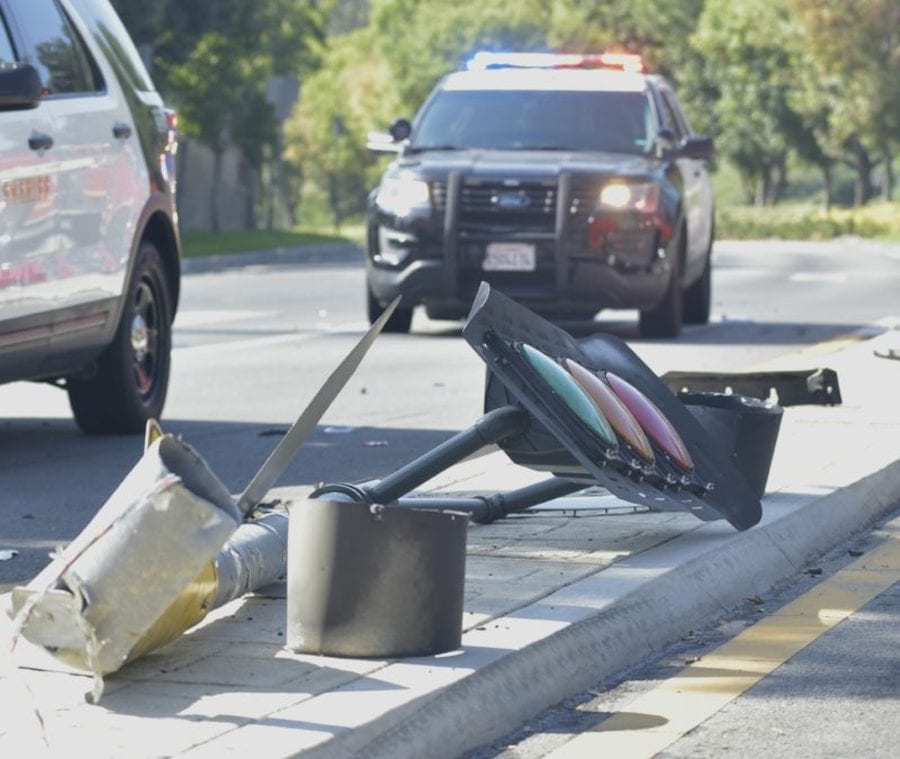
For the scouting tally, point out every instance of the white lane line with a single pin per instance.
(203, 317)
(833, 277)
(253, 343)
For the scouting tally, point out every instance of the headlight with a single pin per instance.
(402, 195)
(633, 197)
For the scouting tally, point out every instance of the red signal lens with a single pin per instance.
(653, 421)
(571, 394)
(609, 404)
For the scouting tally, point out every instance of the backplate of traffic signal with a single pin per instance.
(668, 460)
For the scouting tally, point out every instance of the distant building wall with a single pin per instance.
(237, 195)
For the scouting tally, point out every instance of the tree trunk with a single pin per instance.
(828, 184)
(216, 191)
(779, 185)
(334, 200)
(887, 188)
(862, 191)
(763, 188)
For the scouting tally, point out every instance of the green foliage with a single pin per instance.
(421, 40)
(746, 43)
(212, 59)
(803, 222)
(326, 135)
(851, 82)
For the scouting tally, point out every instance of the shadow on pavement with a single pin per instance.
(55, 479)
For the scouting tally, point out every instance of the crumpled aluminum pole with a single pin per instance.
(166, 548)
(98, 598)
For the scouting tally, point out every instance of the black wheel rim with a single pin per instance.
(145, 338)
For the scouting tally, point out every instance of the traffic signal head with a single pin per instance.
(598, 414)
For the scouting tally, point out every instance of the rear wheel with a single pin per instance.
(131, 378)
(666, 318)
(400, 321)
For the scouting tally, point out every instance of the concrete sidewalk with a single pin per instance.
(554, 601)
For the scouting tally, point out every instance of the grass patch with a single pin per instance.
(223, 243)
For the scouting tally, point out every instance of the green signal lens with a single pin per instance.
(653, 421)
(571, 394)
(609, 404)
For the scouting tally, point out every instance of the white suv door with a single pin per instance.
(100, 179)
(28, 216)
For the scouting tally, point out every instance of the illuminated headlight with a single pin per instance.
(402, 195)
(631, 197)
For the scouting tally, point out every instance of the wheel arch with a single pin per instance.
(158, 226)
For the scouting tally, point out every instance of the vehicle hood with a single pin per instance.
(523, 164)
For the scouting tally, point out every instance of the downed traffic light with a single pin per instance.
(591, 413)
(599, 415)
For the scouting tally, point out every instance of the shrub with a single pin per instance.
(802, 222)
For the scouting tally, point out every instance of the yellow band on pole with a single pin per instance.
(189, 608)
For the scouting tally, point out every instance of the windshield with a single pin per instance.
(618, 122)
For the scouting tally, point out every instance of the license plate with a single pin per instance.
(510, 256)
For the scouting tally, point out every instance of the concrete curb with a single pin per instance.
(325, 253)
(656, 597)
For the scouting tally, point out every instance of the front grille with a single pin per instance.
(582, 201)
(524, 207)
(480, 203)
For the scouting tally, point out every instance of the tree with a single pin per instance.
(348, 96)
(854, 50)
(216, 109)
(213, 59)
(743, 41)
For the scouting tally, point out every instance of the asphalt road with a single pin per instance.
(252, 345)
(836, 697)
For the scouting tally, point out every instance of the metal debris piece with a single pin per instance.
(792, 388)
(893, 353)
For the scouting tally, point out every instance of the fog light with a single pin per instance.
(394, 247)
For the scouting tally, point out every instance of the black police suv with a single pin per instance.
(569, 183)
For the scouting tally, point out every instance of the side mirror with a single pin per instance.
(20, 87)
(400, 130)
(665, 141)
(698, 147)
(392, 140)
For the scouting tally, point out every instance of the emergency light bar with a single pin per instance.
(484, 60)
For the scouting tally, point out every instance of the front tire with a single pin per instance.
(698, 296)
(132, 375)
(400, 321)
(666, 318)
